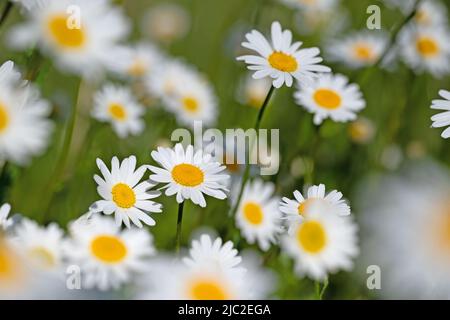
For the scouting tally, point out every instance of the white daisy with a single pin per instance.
(404, 5)
(188, 174)
(24, 127)
(359, 49)
(362, 130)
(407, 234)
(5, 222)
(316, 5)
(142, 59)
(294, 210)
(323, 243)
(282, 60)
(258, 217)
(79, 41)
(124, 194)
(431, 13)
(205, 252)
(166, 22)
(43, 246)
(193, 100)
(442, 119)
(118, 106)
(107, 256)
(331, 96)
(426, 49)
(253, 92)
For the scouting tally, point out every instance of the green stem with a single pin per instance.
(179, 225)
(320, 291)
(6, 11)
(247, 163)
(392, 41)
(5, 181)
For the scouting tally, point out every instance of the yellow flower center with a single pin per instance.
(187, 175)
(422, 17)
(117, 111)
(10, 266)
(312, 237)
(253, 213)
(190, 104)
(138, 68)
(43, 257)
(283, 62)
(109, 249)
(427, 47)
(123, 196)
(4, 118)
(363, 52)
(327, 99)
(206, 289)
(63, 35)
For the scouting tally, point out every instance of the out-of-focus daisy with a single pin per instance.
(282, 60)
(358, 49)
(257, 216)
(205, 252)
(123, 194)
(331, 96)
(328, 21)
(220, 276)
(43, 246)
(431, 13)
(24, 127)
(13, 272)
(426, 49)
(296, 209)
(253, 92)
(362, 130)
(188, 174)
(442, 119)
(118, 106)
(5, 222)
(79, 41)
(408, 233)
(142, 59)
(107, 256)
(193, 100)
(323, 243)
(316, 5)
(166, 22)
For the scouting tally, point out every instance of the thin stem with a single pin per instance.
(247, 163)
(321, 291)
(6, 11)
(392, 41)
(179, 225)
(5, 181)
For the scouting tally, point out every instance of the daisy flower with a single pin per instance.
(24, 127)
(188, 174)
(323, 243)
(426, 49)
(193, 100)
(408, 235)
(282, 60)
(442, 119)
(294, 210)
(253, 92)
(221, 276)
(257, 216)
(316, 5)
(5, 222)
(107, 256)
(123, 194)
(166, 22)
(118, 106)
(331, 96)
(362, 130)
(79, 41)
(205, 252)
(142, 59)
(42, 245)
(359, 49)
(431, 13)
